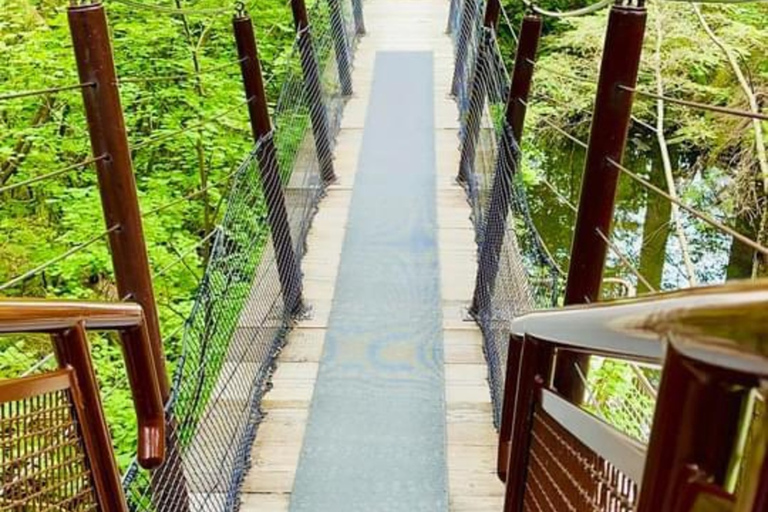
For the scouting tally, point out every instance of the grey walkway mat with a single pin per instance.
(376, 434)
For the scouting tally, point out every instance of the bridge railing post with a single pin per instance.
(699, 412)
(357, 13)
(117, 185)
(506, 163)
(341, 46)
(477, 94)
(314, 90)
(119, 200)
(533, 372)
(608, 137)
(287, 263)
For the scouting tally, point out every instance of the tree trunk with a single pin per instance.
(741, 256)
(656, 231)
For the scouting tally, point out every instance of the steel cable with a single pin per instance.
(44, 92)
(154, 140)
(590, 9)
(40, 268)
(52, 174)
(697, 105)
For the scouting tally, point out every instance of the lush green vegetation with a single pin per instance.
(182, 177)
(715, 160)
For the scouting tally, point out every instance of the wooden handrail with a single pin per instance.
(723, 326)
(64, 318)
(35, 315)
(713, 345)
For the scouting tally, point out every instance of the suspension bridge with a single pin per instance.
(380, 326)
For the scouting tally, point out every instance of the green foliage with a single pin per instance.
(42, 134)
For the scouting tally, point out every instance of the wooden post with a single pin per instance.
(357, 12)
(117, 186)
(696, 425)
(266, 153)
(535, 368)
(514, 356)
(119, 199)
(506, 163)
(71, 348)
(314, 90)
(341, 46)
(608, 137)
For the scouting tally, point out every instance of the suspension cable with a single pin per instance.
(565, 133)
(53, 261)
(627, 263)
(508, 22)
(52, 174)
(153, 140)
(43, 92)
(186, 253)
(191, 195)
(696, 105)
(180, 76)
(563, 74)
(602, 4)
(39, 364)
(696, 213)
(546, 97)
(630, 266)
(174, 11)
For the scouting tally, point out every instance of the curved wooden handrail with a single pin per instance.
(723, 326)
(64, 317)
(35, 315)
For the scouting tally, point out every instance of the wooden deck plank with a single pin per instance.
(414, 25)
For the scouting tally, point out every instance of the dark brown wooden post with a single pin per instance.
(119, 199)
(506, 163)
(535, 369)
(608, 137)
(357, 12)
(341, 46)
(477, 91)
(71, 348)
(266, 153)
(699, 412)
(514, 356)
(314, 90)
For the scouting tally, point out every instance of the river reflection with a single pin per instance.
(642, 227)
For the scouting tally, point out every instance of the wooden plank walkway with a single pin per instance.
(403, 25)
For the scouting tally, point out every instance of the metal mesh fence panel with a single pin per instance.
(467, 36)
(565, 475)
(240, 320)
(516, 274)
(42, 456)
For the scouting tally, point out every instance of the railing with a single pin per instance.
(554, 455)
(56, 450)
(206, 412)
(711, 343)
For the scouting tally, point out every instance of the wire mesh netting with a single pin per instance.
(42, 455)
(251, 289)
(566, 475)
(516, 272)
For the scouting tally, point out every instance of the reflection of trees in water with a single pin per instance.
(641, 226)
